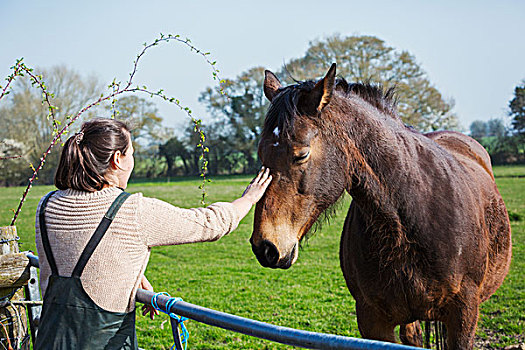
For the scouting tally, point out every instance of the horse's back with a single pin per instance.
(463, 147)
(467, 150)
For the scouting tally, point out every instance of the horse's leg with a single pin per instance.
(411, 334)
(461, 325)
(372, 325)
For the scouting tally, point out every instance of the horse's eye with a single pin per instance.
(301, 158)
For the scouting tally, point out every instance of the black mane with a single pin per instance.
(283, 109)
(375, 94)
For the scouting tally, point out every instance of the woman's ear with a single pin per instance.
(116, 160)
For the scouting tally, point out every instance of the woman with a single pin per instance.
(94, 239)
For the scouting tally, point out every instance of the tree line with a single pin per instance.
(505, 143)
(235, 118)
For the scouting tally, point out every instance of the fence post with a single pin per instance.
(14, 274)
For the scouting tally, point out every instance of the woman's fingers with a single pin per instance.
(149, 309)
(259, 175)
(262, 176)
(267, 181)
(257, 187)
(145, 310)
(153, 313)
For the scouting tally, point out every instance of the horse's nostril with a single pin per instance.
(270, 252)
(267, 254)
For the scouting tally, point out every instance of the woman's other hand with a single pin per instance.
(144, 284)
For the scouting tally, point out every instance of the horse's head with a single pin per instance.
(297, 145)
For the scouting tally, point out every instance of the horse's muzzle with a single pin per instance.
(268, 255)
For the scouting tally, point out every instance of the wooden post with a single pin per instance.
(14, 273)
(32, 290)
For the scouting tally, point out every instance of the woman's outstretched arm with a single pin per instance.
(161, 223)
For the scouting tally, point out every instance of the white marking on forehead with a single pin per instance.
(276, 131)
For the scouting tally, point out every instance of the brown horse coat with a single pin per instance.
(427, 236)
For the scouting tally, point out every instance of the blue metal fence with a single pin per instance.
(283, 335)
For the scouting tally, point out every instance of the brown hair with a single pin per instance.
(86, 156)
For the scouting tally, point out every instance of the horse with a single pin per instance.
(427, 236)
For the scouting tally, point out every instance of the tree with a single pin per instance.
(13, 162)
(240, 113)
(174, 150)
(147, 132)
(367, 58)
(492, 135)
(495, 128)
(517, 109)
(478, 129)
(512, 147)
(24, 118)
(141, 115)
(223, 156)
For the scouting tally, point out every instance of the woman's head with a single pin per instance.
(100, 155)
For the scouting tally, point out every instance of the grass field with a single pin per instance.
(312, 295)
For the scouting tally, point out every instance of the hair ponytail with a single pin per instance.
(86, 156)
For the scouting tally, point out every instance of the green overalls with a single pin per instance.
(70, 319)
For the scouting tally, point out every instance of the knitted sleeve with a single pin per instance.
(161, 223)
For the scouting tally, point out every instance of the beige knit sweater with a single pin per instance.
(114, 272)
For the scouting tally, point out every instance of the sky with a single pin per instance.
(473, 51)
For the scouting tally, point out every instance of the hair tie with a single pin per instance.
(79, 137)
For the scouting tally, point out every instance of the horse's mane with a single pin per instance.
(283, 109)
(383, 99)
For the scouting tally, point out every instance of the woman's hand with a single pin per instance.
(144, 284)
(253, 192)
(257, 187)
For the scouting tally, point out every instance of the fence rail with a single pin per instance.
(283, 335)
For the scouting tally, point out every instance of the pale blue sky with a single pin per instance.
(473, 51)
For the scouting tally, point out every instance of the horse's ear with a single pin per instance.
(271, 85)
(322, 92)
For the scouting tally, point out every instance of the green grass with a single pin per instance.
(509, 171)
(312, 295)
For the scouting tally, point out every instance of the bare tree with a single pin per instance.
(25, 119)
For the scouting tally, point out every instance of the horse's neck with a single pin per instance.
(381, 166)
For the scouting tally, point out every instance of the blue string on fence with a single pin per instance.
(184, 334)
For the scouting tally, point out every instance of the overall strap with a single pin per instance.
(43, 234)
(99, 233)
